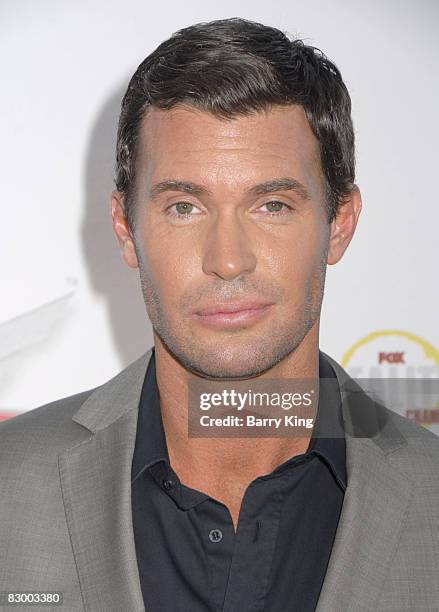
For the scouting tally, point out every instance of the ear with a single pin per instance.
(122, 230)
(343, 226)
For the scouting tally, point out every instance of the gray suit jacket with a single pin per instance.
(65, 505)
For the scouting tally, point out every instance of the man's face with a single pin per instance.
(213, 226)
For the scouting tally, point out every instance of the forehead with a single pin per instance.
(187, 143)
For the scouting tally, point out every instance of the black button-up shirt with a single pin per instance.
(190, 558)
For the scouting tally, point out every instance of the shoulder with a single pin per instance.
(411, 430)
(419, 456)
(46, 431)
(42, 432)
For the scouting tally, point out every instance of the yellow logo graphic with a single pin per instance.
(394, 354)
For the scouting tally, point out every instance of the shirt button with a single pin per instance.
(168, 484)
(215, 535)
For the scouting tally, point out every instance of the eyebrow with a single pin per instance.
(281, 184)
(278, 184)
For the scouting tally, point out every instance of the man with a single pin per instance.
(234, 190)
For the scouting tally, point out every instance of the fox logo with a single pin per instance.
(391, 357)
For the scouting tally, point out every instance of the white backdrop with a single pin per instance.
(71, 313)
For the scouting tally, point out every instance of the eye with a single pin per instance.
(275, 207)
(183, 209)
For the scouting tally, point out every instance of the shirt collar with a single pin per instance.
(150, 445)
(328, 437)
(327, 441)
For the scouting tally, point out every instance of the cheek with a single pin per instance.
(170, 262)
(294, 261)
(298, 266)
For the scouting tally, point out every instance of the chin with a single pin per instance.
(239, 361)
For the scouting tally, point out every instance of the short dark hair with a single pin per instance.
(235, 67)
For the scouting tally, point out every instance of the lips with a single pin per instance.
(231, 307)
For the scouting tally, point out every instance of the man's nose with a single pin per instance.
(229, 249)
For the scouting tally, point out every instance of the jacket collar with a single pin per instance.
(362, 417)
(115, 398)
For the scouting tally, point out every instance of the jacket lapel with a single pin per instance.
(96, 486)
(375, 504)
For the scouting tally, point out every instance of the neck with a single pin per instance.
(219, 458)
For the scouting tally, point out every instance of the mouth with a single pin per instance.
(232, 315)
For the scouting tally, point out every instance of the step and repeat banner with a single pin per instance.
(72, 314)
